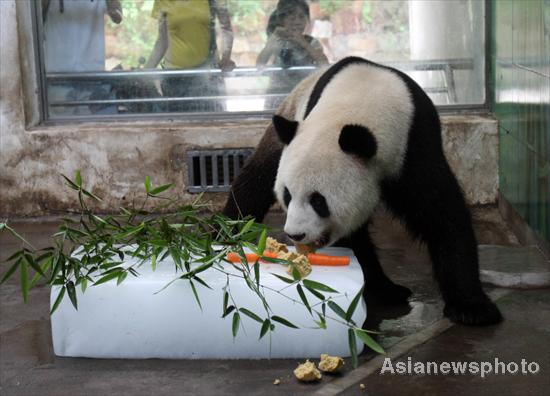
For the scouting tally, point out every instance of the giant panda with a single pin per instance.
(346, 139)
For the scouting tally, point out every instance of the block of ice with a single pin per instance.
(133, 321)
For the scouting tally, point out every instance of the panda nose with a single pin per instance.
(296, 237)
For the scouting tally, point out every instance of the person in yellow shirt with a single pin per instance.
(186, 40)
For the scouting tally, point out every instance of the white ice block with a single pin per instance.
(131, 321)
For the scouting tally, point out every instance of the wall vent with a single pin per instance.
(214, 170)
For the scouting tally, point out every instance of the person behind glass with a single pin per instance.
(186, 40)
(74, 41)
(287, 44)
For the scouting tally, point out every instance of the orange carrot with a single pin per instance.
(314, 259)
(323, 259)
(270, 254)
(235, 258)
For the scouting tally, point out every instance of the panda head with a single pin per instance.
(327, 179)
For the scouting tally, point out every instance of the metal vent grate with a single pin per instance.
(214, 170)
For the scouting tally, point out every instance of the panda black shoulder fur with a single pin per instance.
(344, 140)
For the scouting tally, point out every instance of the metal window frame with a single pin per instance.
(42, 101)
(30, 62)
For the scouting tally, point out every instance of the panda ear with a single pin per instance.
(286, 129)
(358, 140)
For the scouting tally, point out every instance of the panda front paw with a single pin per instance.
(387, 293)
(473, 313)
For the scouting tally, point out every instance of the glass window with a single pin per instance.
(224, 57)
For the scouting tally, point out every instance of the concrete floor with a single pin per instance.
(417, 330)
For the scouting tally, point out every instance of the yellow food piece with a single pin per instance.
(304, 249)
(330, 364)
(362, 386)
(273, 246)
(300, 262)
(307, 372)
(277, 381)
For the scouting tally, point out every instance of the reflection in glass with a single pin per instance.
(231, 56)
(74, 41)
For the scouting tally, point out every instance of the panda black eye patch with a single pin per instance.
(287, 197)
(319, 204)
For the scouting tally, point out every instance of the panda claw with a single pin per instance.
(476, 313)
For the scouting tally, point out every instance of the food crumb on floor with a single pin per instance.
(277, 381)
(362, 386)
(307, 372)
(330, 364)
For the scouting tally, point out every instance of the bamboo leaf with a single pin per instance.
(72, 294)
(131, 231)
(15, 255)
(229, 309)
(265, 327)
(274, 260)
(337, 309)
(58, 300)
(318, 286)
(286, 280)
(369, 341)
(295, 273)
(353, 305)
(175, 253)
(257, 273)
(195, 293)
(246, 227)
(283, 321)
(78, 178)
(160, 189)
(202, 282)
(251, 315)
(121, 277)
(24, 279)
(303, 297)
(225, 301)
(236, 322)
(15, 234)
(44, 256)
(70, 183)
(100, 220)
(83, 284)
(315, 293)
(147, 184)
(47, 264)
(108, 277)
(10, 272)
(322, 323)
(89, 194)
(352, 342)
(35, 265)
(262, 242)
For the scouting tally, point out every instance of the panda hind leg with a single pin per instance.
(434, 210)
(379, 288)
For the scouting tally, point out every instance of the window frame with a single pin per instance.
(35, 91)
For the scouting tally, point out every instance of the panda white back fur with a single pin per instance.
(314, 161)
(346, 138)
